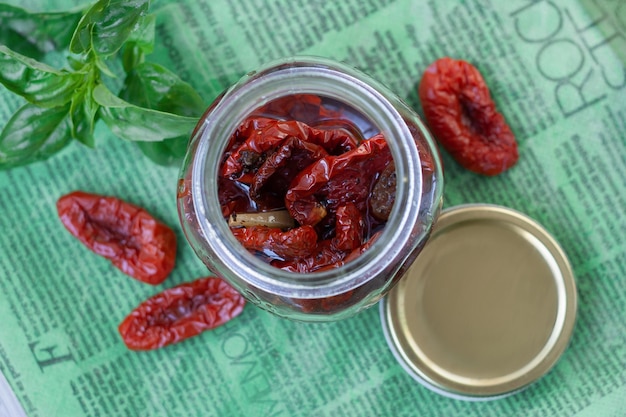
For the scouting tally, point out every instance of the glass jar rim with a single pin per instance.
(327, 78)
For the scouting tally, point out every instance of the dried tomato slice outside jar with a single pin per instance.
(181, 312)
(323, 176)
(127, 235)
(462, 115)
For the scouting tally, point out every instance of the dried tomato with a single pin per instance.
(180, 312)
(463, 117)
(306, 108)
(349, 227)
(292, 244)
(127, 235)
(283, 165)
(233, 198)
(331, 253)
(264, 135)
(312, 110)
(323, 176)
(358, 251)
(323, 255)
(336, 180)
(325, 305)
(248, 148)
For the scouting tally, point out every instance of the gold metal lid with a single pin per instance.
(487, 308)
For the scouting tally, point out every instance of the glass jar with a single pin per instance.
(332, 293)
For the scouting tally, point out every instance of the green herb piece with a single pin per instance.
(152, 86)
(135, 123)
(38, 83)
(35, 34)
(83, 111)
(106, 46)
(34, 133)
(166, 152)
(140, 43)
(107, 25)
(143, 35)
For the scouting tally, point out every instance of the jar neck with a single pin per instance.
(330, 80)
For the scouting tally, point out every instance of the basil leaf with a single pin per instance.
(83, 110)
(139, 43)
(167, 152)
(103, 67)
(155, 87)
(143, 36)
(34, 133)
(132, 56)
(107, 25)
(135, 123)
(34, 34)
(38, 83)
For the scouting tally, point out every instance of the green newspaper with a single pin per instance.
(556, 70)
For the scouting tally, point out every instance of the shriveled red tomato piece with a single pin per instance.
(306, 108)
(324, 174)
(322, 255)
(334, 136)
(270, 134)
(232, 197)
(336, 180)
(462, 115)
(280, 167)
(267, 135)
(291, 244)
(127, 235)
(327, 304)
(181, 312)
(331, 253)
(349, 227)
(358, 251)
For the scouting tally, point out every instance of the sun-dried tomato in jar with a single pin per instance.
(310, 188)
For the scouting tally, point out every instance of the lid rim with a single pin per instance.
(439, 389)
(425, 372)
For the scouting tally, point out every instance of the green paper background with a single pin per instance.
(554, 70)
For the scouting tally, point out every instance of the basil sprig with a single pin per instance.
(151, 106)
